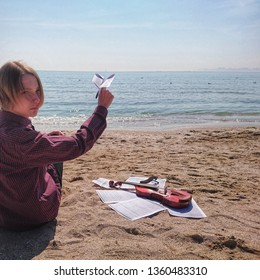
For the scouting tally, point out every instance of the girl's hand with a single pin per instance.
(105, 98)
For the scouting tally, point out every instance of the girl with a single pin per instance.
(31, 161)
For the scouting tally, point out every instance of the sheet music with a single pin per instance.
(114, 196)
(136, 208)
(192, 211)
(102, 182)
(127, 204)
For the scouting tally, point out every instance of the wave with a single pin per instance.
(147, 120)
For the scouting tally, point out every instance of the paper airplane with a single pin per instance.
(101, 82)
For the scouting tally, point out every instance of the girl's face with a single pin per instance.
(28, 102)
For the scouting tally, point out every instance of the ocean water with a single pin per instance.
(152, 100)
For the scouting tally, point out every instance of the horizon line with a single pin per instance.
(219, 69)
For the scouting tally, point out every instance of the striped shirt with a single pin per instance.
(30, 190)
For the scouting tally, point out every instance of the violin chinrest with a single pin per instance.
(183, 195)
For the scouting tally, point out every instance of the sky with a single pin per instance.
(136, 35)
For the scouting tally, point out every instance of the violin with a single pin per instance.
(173, 198)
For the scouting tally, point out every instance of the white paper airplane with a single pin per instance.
(101, 82)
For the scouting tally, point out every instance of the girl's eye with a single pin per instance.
(31, 95)
(26, 93)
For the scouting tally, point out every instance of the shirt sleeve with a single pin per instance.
(37, 149)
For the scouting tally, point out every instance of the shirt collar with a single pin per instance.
(8, 117)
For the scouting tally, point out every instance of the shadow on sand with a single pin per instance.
(27, 244)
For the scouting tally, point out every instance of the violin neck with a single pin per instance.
(148, 186)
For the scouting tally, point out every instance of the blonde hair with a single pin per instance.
(11, 83)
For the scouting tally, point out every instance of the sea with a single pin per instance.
(152, 100)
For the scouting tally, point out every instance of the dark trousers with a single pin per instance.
(59, 168)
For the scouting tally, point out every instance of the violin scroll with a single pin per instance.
(113, 184)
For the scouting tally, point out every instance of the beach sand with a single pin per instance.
(220, 166)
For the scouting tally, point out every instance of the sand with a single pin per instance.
(220, 166)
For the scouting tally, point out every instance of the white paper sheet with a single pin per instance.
(114, 196)
(136, 208)
(102, 182)
(193, 211)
